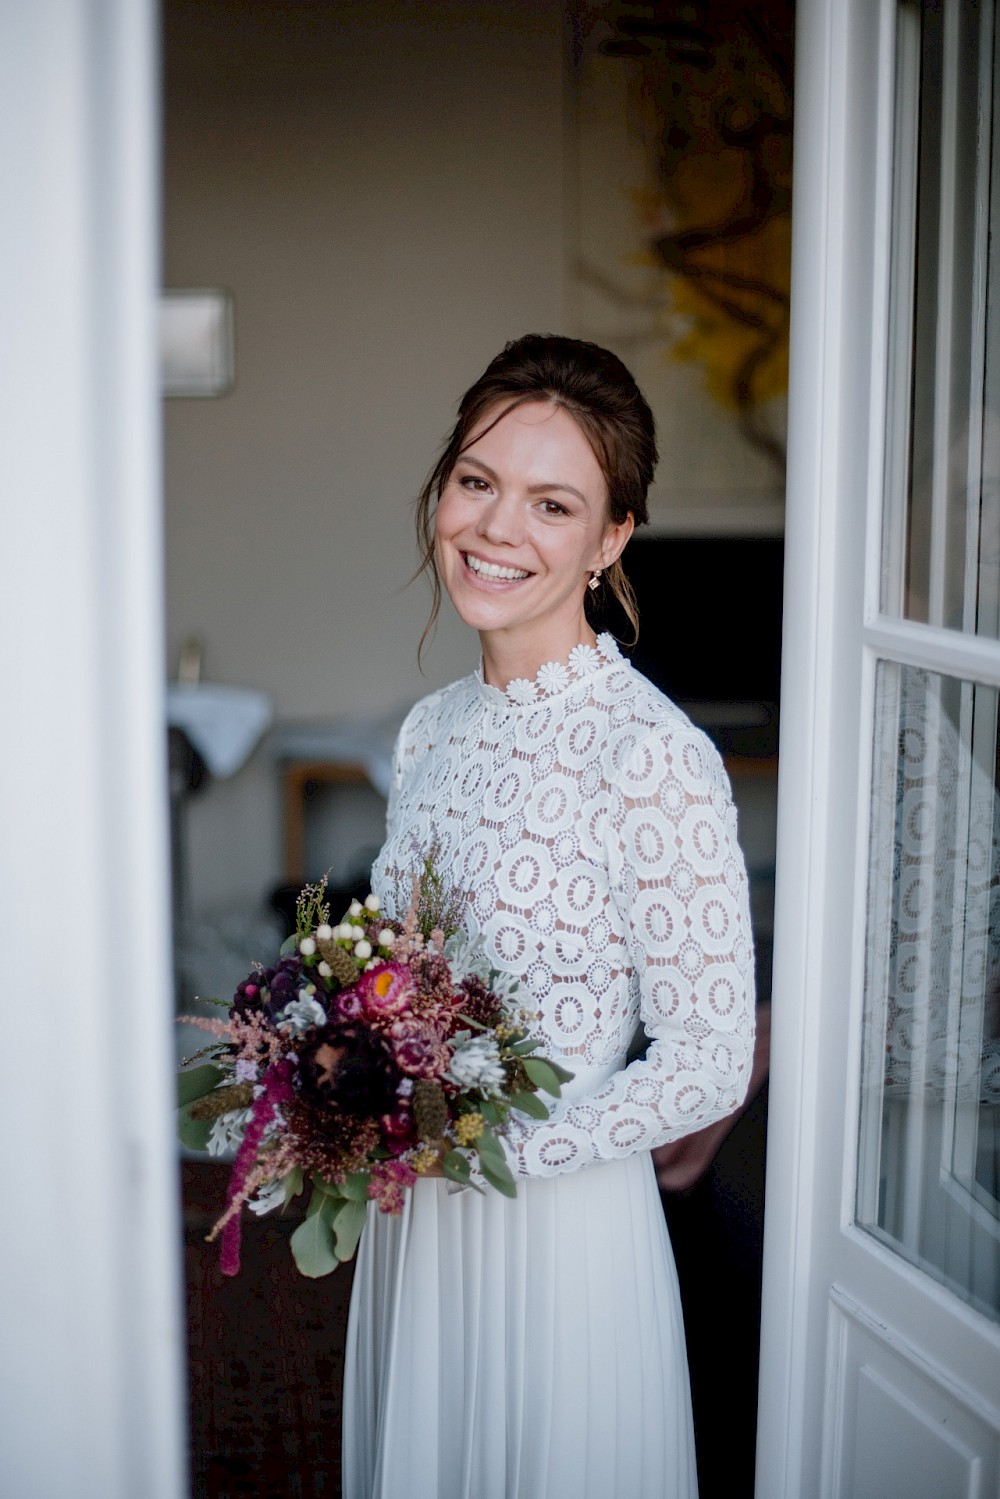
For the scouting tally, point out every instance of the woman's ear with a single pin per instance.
(614, 539)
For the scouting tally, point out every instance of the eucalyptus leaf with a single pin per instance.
(313, 1244)
(196, 1082)
(347, 1227)
(327, 1189)
(562, 1073)
(290, 945)
(530, 1103)
(546, 1075)
(456, 1167)
(355, 1187)
(500, 1178)
(489, 1150)
(294, 1182)
(489, 1111)
(522, 1048)
(316, 1201)
(193, 1133)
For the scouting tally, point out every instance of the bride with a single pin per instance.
(533, 1348)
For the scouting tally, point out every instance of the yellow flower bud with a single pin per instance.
(468, 1128)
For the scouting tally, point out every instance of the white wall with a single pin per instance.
(381, 188)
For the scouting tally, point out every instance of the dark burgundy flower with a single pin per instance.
(399, 1129)
(270, 989)
(479, 1002)
(347, 1067)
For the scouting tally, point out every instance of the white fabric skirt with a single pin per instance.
(519, 1349)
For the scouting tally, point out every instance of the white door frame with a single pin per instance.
(814, 1258)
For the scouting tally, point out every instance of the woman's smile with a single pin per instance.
(493, 572)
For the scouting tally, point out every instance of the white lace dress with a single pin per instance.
(533, 1348)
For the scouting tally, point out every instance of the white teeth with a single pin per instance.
(491, 570)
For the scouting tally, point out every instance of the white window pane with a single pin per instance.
(928, 1167)
(943, 502)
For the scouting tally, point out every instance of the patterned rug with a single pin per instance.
(265, 1359)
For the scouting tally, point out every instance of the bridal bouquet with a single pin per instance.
(373, 1053)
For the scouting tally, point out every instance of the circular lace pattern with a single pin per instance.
(591, 827)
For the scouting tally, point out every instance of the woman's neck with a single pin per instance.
(507, 660)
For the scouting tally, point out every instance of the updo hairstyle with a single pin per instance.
(597, 390)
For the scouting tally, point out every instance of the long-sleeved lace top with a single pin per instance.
(592, 827)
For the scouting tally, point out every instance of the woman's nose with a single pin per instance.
(499, 521)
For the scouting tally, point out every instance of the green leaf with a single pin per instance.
(193, 1133)
(456, 1167)
(355, 1188)
(347, 1226)
(490, 1150)
(488, 1109)
(289, 945)
(493, 1163)
(522, 1048)
(195, 1083)
(294, 1182)
(312, 1242)
(546, 1075)
(499, 1177)
(562, 1073)
(477, 1025)
(529, 1103)
(323, 1188)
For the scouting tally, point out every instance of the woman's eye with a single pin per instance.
(553, 507)
(474, 482)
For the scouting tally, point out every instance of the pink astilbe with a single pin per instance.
(388, 1184)
(247, 1174)
(252, 1036)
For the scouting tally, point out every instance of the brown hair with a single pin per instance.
(597, 390)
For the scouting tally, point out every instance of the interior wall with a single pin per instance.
(380, 186)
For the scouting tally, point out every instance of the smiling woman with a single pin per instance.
(532, 1347)
(521, 529)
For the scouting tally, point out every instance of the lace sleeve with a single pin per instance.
(678, 883)
(413, 742)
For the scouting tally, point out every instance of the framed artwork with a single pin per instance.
(680, 192)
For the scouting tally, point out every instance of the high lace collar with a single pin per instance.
(555, 677)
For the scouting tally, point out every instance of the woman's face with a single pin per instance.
(520, 528)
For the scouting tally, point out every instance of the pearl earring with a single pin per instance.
(595, 581)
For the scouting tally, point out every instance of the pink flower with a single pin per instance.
(419, 1048)
(388, 1183)
(350, 1005)
(384, 991)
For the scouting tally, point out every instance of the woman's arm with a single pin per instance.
(679, 884)
(682, 1163)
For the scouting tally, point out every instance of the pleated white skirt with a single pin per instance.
(525, 1349)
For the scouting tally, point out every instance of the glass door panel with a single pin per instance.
(930, 1101)
(942, 513)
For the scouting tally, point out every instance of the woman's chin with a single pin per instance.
(490, 607)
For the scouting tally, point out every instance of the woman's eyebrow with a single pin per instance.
(557, 484)
(532, 488)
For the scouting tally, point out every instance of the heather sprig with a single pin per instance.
(311, 908)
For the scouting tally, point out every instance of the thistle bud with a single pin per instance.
(430, 1110)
